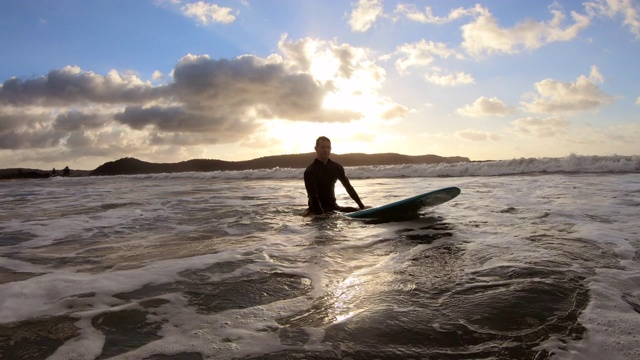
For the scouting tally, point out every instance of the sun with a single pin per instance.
(356, 115)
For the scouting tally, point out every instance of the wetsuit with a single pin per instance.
(320, 180)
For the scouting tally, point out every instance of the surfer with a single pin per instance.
(320, 179)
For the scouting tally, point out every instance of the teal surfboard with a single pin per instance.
(409, 207)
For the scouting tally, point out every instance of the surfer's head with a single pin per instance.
(323, 148)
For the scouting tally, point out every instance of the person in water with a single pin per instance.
(320, 179)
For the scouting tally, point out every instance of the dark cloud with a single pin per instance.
(181, 119)
(75, 120)
(12, 121)
(26, 130)
(80, 140)
(209, 101)
(233, 87)
(170, 118)
(31, 139)
(71, 86)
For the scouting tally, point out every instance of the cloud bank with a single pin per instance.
(207, 101)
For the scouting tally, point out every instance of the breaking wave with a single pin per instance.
(522, 166)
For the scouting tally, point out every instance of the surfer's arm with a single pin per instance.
(354, 195)
(350, 190)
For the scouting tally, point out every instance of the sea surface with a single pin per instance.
(536, 259)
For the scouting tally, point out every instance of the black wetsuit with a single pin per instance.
(320, 180)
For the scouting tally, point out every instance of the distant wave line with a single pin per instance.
(570, 164)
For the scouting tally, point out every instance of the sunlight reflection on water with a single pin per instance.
(194, 264)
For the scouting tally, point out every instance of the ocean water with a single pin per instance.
(536, 259)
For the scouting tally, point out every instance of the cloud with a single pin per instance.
(178, 119)
(459, 78)
(157, 75)
(628, 9)
(206, 95)
(205, 101)
(476, 135)
(484, 106)
(411, 12)
(72, 85)
(365, 13)
(71, 121)
(395, 111)
(26, 129)
(540, 128)
(329, 61)
(421, 53)
(34, 139)
(638, 101)
(207, 13)
(484, 36)
(554, 96)
(352, 78)
(247, 86)
(222, 96)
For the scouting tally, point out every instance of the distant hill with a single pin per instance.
(132, 166)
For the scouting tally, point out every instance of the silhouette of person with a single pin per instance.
(320, 178)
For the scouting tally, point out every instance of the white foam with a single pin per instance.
(50, 294)
(87, 345)
(493, 220)
(612, 323)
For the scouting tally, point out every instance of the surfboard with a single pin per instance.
(409, 207)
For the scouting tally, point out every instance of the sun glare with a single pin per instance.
(355, 81)
(300, 137)
(324, 67)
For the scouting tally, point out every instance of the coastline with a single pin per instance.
(133, 166)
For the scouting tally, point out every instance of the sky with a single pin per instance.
(83, 82)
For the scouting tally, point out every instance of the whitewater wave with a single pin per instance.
(568, 164)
